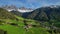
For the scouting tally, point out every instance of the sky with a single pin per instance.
(30, 3)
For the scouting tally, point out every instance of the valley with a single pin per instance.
(39, 21)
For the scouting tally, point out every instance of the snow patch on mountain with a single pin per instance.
(24, 10)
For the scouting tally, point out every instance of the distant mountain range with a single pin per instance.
(21, 9)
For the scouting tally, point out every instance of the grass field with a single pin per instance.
(20, 29)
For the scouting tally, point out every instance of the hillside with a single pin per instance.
(49, 16)
(45, 14)
(4, 14)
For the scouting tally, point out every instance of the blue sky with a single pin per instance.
(30, 3)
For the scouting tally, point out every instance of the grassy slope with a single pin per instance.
(20, 30)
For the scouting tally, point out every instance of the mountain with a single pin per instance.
(24, 12)
(9, 8)
(41, 14)
(21, 9)
(4, 14)
(49, 16)
(46, 13)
